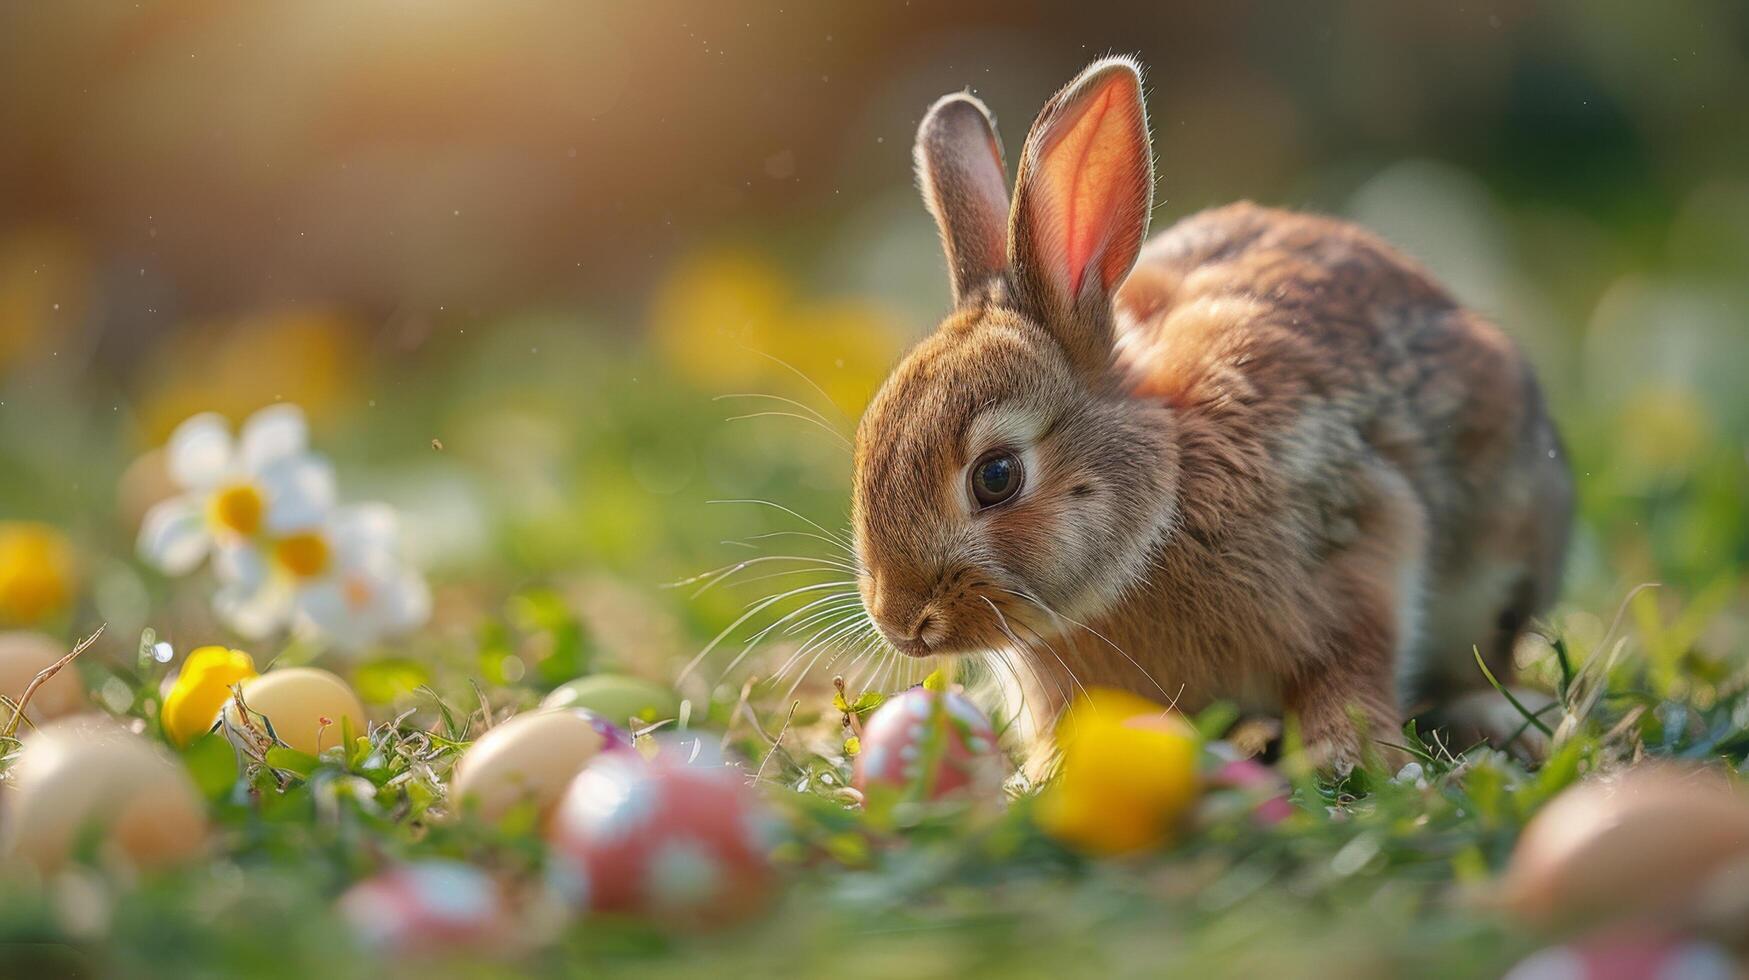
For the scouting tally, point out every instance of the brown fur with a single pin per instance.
(1279, 463)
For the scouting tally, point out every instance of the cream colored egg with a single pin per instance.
(306, 705)
(22, 656)
(1644, 840)
(72, 776)
(529, 758)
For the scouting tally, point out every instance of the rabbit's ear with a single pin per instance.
(959, 167)
(1086, 185)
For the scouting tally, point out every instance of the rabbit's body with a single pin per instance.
(1269, 459)
(1368, 485)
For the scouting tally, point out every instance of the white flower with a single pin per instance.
(265, 482)
(343, 581)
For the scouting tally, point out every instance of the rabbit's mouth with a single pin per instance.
(927, 635)
(966, 622)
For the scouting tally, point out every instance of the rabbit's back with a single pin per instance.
(1310, 352)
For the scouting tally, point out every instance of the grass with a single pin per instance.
(563, 459)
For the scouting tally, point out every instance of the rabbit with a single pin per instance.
(1262, 457)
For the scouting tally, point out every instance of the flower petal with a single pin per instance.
(240, 565)
(323, 610)
(366, 533)
(300, 492)
(251, 599)
(273, 433)
(255, 613)
(173, 537)
(200, 451)
(404, 602)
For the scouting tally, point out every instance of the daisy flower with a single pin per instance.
(264, 482)
(342, 581)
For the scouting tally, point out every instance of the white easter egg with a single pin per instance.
(75, 775)
(22, 656)
(529, 759)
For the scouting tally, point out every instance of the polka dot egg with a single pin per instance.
(933, 743)
(1629, 955)
(670, 838)
(424, 906)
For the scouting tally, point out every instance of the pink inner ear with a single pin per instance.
(1088, 171)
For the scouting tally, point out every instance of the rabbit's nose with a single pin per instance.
(903, 617)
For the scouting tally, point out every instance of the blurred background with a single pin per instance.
(506, 255)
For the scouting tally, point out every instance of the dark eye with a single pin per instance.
(995, 478)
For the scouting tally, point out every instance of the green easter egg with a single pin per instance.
(617, 698)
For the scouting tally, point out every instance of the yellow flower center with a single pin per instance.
(238, 509)
(304, 555)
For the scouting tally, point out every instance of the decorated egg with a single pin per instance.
(1643, 840)
(1264, 789)
(620, 699)
(305, 705)
(23, 655)
(427, 906)
(76, 774)
(1628, 956)
(666, 838)
(932, 743)
(1126, 778)
(530, 759)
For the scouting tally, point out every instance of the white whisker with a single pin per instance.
(1056, 615)
(749, 614)
(786, 510)
(813, 412)
(843, 443)
(753, 641)
(798, 372)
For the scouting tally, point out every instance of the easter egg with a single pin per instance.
(1263, 790)
(1127, 774)
(620, 699)
(935, 743)
(1628, 956)
(673, 840)
(1642, 840)
(530, 758)
(76, 774)
(22, 656)
(426, 906)
(306, 706)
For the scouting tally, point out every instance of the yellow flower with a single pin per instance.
(43, 276)
(305, 357)
(729, 320)
(1128, 772)
(715, 315)
(36, 572)
(201, 690)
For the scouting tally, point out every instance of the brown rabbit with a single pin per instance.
(1264, 457)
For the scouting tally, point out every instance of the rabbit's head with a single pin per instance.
(1004, 480)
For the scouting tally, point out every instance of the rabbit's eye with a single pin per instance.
(995, 478)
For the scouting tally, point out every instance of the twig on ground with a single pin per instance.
(42, 677)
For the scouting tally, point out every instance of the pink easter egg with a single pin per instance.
(934, 742)
(668, 838)
(1628, 956)
(434, 904)
(1260, 782)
